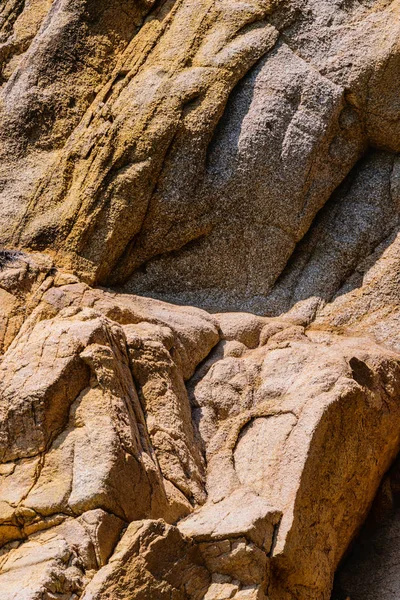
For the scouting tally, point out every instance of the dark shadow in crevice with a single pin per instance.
(370, 569)
(347, 236)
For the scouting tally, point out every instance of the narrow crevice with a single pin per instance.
(370, 567)
(8, 258)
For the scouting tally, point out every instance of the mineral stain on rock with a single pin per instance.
(199, 299)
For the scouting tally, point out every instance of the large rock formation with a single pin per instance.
(221, 155)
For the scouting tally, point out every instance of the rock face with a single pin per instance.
(164, 163)
(232, 444)
(214, 130)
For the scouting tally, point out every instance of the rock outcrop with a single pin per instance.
(164, 163)
(214, 130)
(244, 433)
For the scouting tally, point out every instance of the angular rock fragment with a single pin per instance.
(152, 559)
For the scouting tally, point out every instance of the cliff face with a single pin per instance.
(223, 156)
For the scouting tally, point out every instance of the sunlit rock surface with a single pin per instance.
(199, 299)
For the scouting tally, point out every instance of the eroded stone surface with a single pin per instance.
(230, 155)
(134, 409)
(371, 567)
(214, 131)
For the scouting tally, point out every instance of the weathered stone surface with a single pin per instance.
(241, 514)
(292, 408)
(261, 443)
(22, 285)
(228, 155)
(361, 215)
(74, 435)
(59, 562)
(152, 560)
(214, 132)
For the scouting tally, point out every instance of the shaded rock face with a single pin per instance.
(214, 131)
(371, 567)
(163, 164)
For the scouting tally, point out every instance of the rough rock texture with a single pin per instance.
(251, 459)
(223, 155)
(214, 130)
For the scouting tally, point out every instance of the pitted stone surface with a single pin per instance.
(199, 298)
